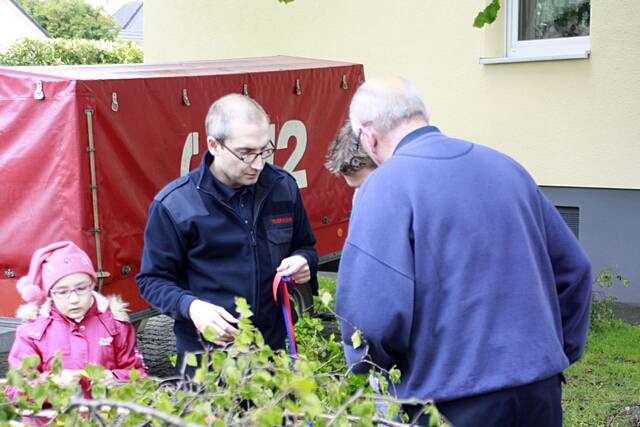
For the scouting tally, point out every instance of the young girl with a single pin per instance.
(65, 315)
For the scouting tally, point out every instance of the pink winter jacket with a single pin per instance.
(103, 337)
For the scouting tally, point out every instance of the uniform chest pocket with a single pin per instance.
(280, 235)
(279, 242)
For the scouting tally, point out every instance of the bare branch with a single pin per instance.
(344, 407)
(350, 418)
(139, 409)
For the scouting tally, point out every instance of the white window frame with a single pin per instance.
(560, 48)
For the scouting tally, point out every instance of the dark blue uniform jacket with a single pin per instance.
(197, 247)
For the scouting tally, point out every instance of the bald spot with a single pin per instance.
(386, 85)
(241, 110)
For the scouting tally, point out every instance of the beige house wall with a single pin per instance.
(571, 123)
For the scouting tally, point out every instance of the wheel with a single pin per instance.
(157, 343)
(301, 298)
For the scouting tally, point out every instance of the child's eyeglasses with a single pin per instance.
(81, 289)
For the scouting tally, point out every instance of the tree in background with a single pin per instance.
(72, 19)
(81, 34)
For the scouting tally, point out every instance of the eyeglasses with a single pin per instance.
(82, 289)
(358, 139)
(354, 165)
(251, 157)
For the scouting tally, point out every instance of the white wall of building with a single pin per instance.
(15, 25)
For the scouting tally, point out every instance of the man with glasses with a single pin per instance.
(224, 230)
(480, 291)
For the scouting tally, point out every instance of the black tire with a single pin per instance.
(157, 343)
(4, 364)
(301, 298)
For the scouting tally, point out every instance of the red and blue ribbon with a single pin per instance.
(281, 297)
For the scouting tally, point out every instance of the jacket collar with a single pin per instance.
(415, 134)
(106, 308)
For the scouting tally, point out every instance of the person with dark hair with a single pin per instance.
(347, 158)
(224, 230)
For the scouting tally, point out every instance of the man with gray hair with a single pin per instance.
(481, 292)
(224, 230)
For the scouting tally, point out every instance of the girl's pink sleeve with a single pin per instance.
(127, 355)
(22, 347)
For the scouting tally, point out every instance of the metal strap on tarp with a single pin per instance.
(94, 197)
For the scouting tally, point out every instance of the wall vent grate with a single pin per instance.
(571, 216)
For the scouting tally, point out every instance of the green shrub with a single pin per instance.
(65, 51)
(602, 304)
(244, 384)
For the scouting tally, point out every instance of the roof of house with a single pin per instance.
(130, 19)
(29, 17)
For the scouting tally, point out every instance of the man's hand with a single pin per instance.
(297, 267)
(204, 314)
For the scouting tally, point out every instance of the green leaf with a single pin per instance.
(191, 360)
(269, 416)
(311, 405)
(163, 403)
(434, 416)
(7, 412)
(134, 375)
(325, 298)
(210, 334)
(243, 308)
(94, 372)
(32, 362)
(356, 339)
(394, 375)
(488, 15)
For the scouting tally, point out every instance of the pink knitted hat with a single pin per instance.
(50, 264)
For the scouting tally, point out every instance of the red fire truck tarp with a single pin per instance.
(146, 123)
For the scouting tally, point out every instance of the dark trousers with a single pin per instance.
(537, 404)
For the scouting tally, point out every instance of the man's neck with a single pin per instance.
(220, 175)
(391, 140)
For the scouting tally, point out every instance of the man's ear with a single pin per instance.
(212, 145)
(370, 140)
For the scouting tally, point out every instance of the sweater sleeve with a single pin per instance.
(126, 353)
(162, 264)
(379, 303)
(572, 272)
(376, 285)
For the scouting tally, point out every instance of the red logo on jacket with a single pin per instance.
(282, 220)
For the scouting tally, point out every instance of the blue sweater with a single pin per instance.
(458, 271)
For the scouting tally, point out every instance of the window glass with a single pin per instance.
(552, 19)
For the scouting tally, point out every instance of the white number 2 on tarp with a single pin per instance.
(291, 129)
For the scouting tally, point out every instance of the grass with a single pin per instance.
(603, 388)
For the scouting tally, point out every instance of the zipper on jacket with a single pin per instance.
(252, 236)
(256, 214)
